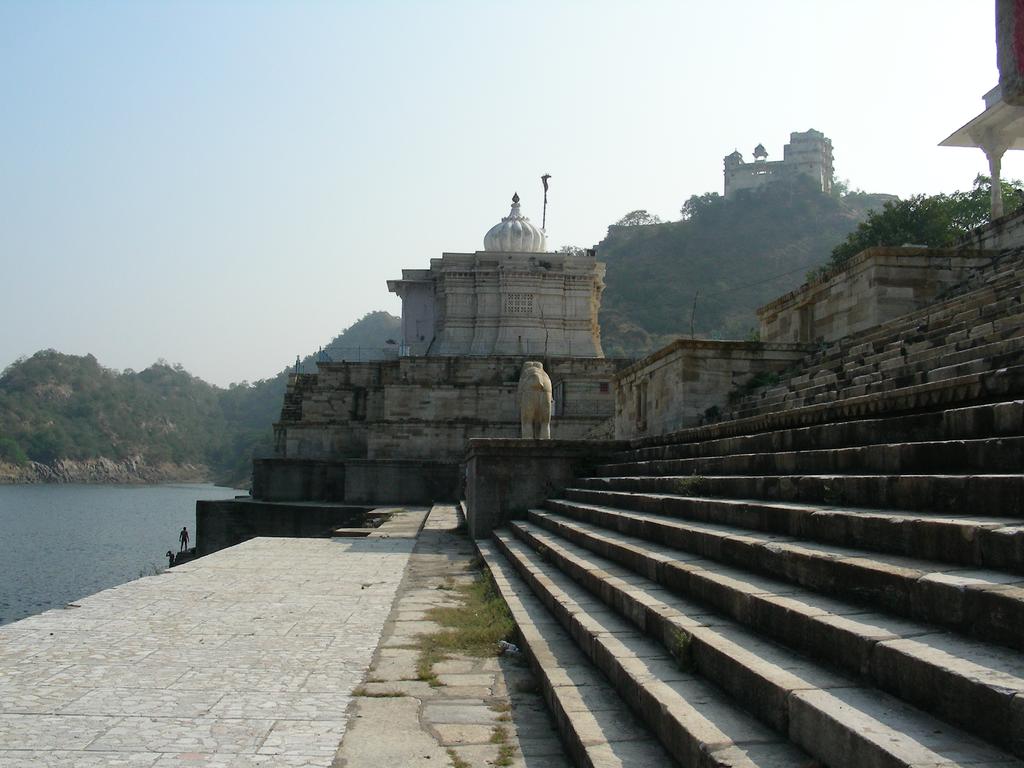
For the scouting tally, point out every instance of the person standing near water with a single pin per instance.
(183, 538)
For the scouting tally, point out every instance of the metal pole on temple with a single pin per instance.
(544, 217)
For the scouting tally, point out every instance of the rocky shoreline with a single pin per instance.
(133, 470)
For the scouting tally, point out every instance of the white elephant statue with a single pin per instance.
(535, 401)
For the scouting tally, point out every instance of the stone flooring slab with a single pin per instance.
(476, 712)
(246, 657)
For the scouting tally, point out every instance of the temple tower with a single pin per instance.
(512, 298)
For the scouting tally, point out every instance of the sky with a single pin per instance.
(226, 185)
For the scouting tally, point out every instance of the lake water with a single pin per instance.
(63, 542)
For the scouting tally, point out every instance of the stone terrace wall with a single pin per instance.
(677, 385)
(875, 286)
(428, 407)
(1005, 232)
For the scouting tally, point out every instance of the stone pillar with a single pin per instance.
(995, 162)
(994, 144)
(505, 478)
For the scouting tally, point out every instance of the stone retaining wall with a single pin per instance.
(873, 287)
(226, 522)
(681, 385)
(427, 407)
(504, 478)
(356, 481)
(1005, 232)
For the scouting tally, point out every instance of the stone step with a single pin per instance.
(825, 713)
(747, 407)
(944, 365)
(988, 494)
(989, 455)
(954, 310)
(974, 422)
(595, 724)
(855, 391)
(697, 724)
(810, 391)
(985, 542)
(967, 683)
(1000, 385)
(987, 604)
(939, 348)
(978, 365)
(937, 320)
(950, 354)
(886, 357)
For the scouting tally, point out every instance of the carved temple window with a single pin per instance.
(518, 303)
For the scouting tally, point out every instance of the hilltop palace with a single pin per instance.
(807, 154)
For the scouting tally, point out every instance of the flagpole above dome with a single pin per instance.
(515, 233)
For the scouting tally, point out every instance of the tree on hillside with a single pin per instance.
(11, 452)
(638, 218)
(936, 221)
(698, 204)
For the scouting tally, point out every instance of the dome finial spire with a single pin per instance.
(515, 233)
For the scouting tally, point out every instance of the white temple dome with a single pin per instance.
(515, 234)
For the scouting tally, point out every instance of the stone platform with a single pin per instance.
(247, 657)
(477, 713)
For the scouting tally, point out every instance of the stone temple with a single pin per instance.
(396, 430)
(511, 298)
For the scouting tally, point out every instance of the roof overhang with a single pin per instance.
(1000, 127)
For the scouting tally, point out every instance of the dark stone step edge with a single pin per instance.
(984, 710)
(959, 541)
(574, 726)
(774, 694)
(916, 589)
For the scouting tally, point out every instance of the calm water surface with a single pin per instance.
(63, 542)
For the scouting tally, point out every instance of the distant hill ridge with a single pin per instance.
(66, 418)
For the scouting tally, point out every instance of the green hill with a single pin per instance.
(55, 406)
(731, 255)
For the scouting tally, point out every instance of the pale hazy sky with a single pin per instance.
(229, 184)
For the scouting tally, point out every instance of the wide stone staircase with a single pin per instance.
(834, 577)
(975, 332)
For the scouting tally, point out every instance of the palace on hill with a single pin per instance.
(808, 154)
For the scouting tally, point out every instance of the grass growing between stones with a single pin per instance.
(689, 486)
(361, 691)
(473, 627)
(682, 650)
(457, 762)
(504, 710)
(505, 750)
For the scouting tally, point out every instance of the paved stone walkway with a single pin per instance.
(481, 705)
(246, 657)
